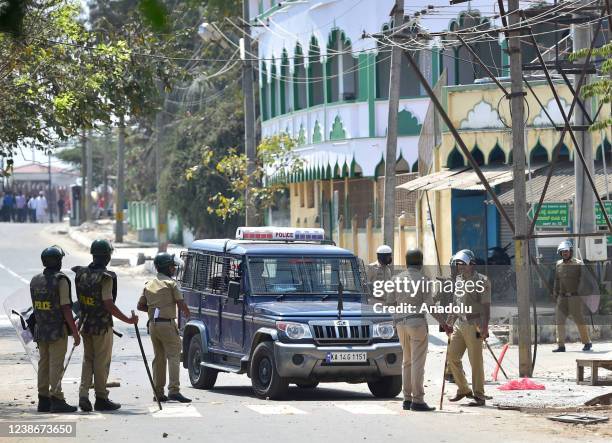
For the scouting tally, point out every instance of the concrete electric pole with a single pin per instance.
(120, 201)
(521, 244)
(162, 222)
(89, 184)
(584, 199)
(249, 112)
(391, 153)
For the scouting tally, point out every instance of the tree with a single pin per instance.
(602, 87)
(51, 78)
(276, 161)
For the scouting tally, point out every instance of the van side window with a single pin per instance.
(186, 272)
(214, 272)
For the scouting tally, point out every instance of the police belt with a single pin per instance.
(569, 294)
(162, 320)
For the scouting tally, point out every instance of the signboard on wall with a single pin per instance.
(552, 215)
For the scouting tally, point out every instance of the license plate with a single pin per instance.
(346, 357)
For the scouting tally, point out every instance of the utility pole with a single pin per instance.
(107, 144)
(89, 173)
(394, 96)
(521, 244)
(584, 199)
(162, 222)
(84, 199)
(120, 180)
(251, 215)
(49, 198)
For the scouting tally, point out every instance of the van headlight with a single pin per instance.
(294, 331)
(384, 330)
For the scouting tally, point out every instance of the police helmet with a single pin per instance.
(414, 257)
(384, 254)
(101, 247)
(164, 260)
(565, 245)
(52, 256)
(464, 256)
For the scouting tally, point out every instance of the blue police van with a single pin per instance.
(283, 305)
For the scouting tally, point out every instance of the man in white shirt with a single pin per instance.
(41, 208)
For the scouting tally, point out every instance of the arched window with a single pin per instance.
(564, 154)
(608, 151)
(497, 156)
(455, 159)
(264, 91)
(383, 69)
(286, 92)
(478, 156)
(274, 90)
(538, 154)
(315, 74)
(409, 83)
(300, 81)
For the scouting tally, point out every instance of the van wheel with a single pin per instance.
(200, 376)
(307, 385)
(266, 381)
(386, 387)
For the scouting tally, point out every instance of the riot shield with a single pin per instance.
(18, 309)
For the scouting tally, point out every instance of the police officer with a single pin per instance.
(381, 269)
(471, 326)
(52, 304)
(567, 278)
(160, 299)
(412, 329)
(96, 289)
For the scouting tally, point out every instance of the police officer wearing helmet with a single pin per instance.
(471, 326)
(412, 329)
(381, 270)
(160, 299)
(52, 304)
(568, 271)
(96, 289)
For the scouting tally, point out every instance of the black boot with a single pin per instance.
(179, 397)
(421, 407)
(406, 405)
(44, 404)
(162, 398)
(104, 404)
(58, 405)
(587, 346)
(85, 404)
(559, 349)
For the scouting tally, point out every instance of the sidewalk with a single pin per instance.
(125, 253)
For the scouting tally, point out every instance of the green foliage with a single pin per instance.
(50, 86)
(275, 155)
(155, 13)
(602, 87)
(12, 13)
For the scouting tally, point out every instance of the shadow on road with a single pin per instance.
(299, 394)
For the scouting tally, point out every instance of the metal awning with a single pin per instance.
(463, 178)
(562, 185)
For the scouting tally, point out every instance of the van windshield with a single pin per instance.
(303, 275)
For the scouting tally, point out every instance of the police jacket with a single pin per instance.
(45, 294)
(89, 281)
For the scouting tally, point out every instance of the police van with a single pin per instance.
(283, 305)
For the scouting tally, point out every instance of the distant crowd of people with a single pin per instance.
(17, 207)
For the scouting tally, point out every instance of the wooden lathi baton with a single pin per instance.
(144, 358)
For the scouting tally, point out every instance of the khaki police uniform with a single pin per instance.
(569, 302)
(93, 288)
(378, 273)
(412, 330)
(464, 336)
(161, 295)
(51, 331)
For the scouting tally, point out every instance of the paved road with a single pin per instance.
(332, 413)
